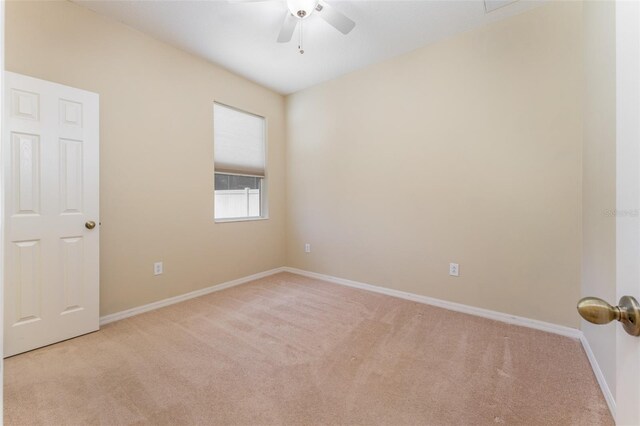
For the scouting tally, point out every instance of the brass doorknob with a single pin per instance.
(90, 225)
(598, 311)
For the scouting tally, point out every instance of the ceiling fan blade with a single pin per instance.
(335, 18)
(288, 27)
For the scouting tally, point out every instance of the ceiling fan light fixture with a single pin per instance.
(301, 8)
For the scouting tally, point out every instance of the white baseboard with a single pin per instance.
(452, 306)
(181, 298)
(606, 391)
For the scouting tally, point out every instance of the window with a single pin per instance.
(239, 164)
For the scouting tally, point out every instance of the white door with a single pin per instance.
(50, 148)
(628, 203)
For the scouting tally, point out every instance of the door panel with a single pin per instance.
(628, 202)
(72, 273)
(71, 176)
(28, 281)
(51, 190)
(26, 175)
(25, 105)
(70, 113)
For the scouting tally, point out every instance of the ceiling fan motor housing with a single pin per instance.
(301, 8)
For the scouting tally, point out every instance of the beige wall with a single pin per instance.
(156, 105)
(468, 150)
(599, 176)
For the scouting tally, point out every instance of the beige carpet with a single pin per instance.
(293, 350)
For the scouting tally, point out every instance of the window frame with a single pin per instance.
(264, 205)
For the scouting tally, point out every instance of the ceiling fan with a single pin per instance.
(299, 10)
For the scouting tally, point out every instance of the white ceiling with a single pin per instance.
(242, 36)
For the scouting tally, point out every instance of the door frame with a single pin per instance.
(2, 222)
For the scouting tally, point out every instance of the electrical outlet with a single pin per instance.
(307, 248)
(157, 268)
(454, 269)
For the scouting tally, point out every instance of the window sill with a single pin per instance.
(240, 219)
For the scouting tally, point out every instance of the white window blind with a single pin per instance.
(239, 142)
